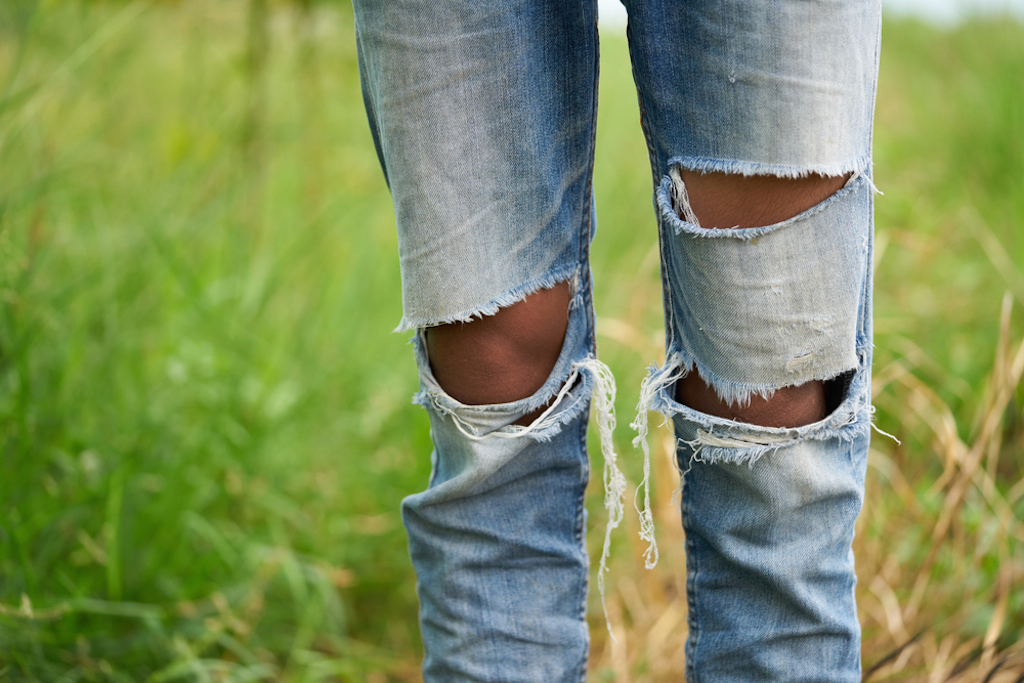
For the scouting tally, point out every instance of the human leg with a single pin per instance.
(758, 119)
(483, 121)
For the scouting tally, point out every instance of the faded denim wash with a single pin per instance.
(483, 115)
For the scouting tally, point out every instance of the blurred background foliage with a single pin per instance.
(206, 424)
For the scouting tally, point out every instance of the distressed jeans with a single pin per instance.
(483, 115)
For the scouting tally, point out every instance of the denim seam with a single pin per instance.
(651, 154)
(585, 301)
(864, 319)
(874, 90)
(652, 159)
(693, 636)
(581, 539)
(584, 276)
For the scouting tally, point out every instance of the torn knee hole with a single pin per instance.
(503, 357)
(722, 200)
(785, 407)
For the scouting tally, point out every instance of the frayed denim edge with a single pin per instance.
(857, 427)
(569, 273)
(578, 395)
(739, 393)
(851, 420)
(443, 404)
(680, 226)
(750, 168)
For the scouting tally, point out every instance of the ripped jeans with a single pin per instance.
(483, 115)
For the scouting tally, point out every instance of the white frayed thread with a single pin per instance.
(871, 183)
(614, 480)
(546, 419)
(707, 438)
(648, 390)
(680, 198)
(885, 433)
(870, 421)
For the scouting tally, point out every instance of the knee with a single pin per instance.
(792, 406)
(720, 200)
(504, 357)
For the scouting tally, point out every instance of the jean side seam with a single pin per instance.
(652, 160)
(691, 593)
(587, 224)
(581, 537)
(585, 294)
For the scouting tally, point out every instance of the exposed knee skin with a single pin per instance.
(721, 200)
(504, 357)
(788, 406)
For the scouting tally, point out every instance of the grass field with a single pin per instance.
(206, 423)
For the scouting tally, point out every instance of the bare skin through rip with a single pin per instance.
(502, 357)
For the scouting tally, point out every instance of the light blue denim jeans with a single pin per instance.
(483, 115)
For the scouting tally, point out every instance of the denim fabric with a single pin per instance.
(483, 115)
